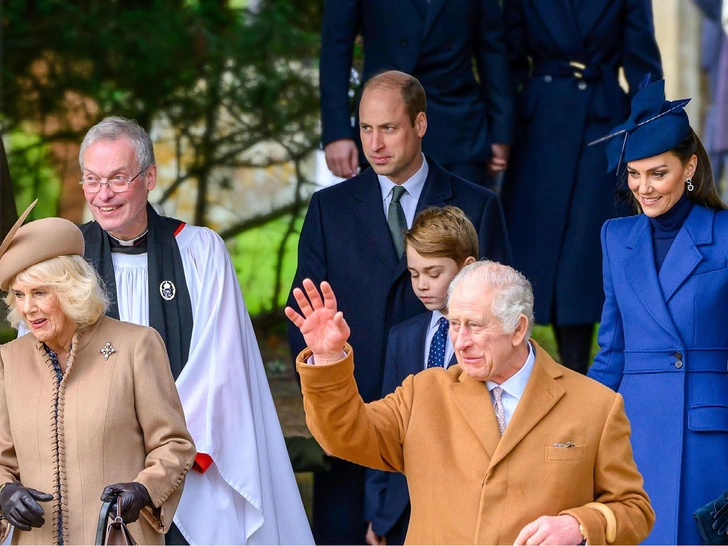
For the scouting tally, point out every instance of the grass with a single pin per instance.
(255, 257)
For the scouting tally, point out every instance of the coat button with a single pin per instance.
(547, 78)
(678, 355)
(678, 364)
(581, 86)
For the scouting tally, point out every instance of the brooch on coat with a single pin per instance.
(107, 350)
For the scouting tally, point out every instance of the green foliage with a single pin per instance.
(255, 260)
(223, 79)
(35, 175)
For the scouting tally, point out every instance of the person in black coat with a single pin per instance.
(346, 240)
(565, 56)
(439, 42)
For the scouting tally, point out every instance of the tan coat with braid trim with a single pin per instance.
(119, 420)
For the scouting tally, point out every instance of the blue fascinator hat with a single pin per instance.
(654, 127)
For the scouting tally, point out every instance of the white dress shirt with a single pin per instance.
(410, 197)
(513, 387)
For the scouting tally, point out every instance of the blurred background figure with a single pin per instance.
(714, 62)
(565, 59)
(440, 43)
(88, 405)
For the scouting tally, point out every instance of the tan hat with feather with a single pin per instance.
(35, 242)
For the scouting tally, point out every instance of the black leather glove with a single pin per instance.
(131, 497)
(720, 514)
(19, 505)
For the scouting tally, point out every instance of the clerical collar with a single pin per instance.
(135, 246)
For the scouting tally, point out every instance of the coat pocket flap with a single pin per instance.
(708, 418)
(573, 453)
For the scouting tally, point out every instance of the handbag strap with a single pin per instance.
(103, 521)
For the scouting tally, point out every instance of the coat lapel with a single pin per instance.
(422, 7)
(589, 13)
(473, 401)
(417, 337)
(558, 18)
(370, 214)
(434, 9)
(540, 396)
(642, 275)
(684, 255)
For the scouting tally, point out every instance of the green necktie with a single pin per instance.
(396, 220)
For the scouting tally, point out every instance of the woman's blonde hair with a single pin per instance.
(73, 281)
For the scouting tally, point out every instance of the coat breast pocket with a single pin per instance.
(565, 454)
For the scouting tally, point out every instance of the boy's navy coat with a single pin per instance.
(387, 495)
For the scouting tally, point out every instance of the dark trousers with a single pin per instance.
(338, 504)
(398, 531)
(575, 343)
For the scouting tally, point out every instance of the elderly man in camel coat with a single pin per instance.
(545, 458)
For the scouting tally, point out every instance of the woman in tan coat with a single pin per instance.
(88, 406)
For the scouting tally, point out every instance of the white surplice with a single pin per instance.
(249, 495)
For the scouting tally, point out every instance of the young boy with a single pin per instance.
(439, 244)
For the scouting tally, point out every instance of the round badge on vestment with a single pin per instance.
(167, 290)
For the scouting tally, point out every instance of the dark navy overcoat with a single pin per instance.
(664, 346)
(565, 56)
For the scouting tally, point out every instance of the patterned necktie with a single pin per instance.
(396, 220)
(438, 345)
(500, 413)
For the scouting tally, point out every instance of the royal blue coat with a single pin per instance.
(557, 193)
(664, 346)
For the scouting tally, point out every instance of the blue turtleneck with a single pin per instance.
(666, 227)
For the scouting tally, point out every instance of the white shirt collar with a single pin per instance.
(435, 319)
(413, 186)
(516, 384)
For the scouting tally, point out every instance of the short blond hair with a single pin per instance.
(443, 232)
(73, 281)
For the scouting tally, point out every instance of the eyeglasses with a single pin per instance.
(118, 184)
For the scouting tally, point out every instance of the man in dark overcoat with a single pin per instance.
(440, 42)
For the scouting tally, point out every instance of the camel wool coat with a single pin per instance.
(567, 445)
(113, 420)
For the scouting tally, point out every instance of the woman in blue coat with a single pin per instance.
(564, 57)
(664, 330)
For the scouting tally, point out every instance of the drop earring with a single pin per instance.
(689, 182)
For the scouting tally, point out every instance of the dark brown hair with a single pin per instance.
(705, 193)
(443, 233)
(413, 94)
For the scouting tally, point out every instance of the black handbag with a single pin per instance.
(112, 532)
(705, 516)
